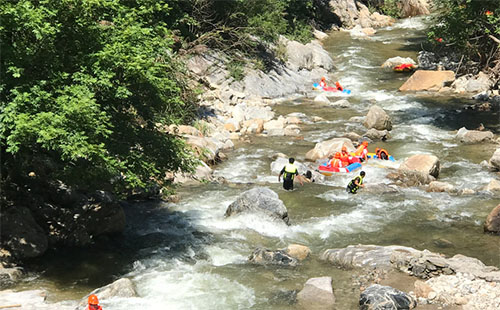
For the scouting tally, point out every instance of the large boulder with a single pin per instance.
(422, 163)
(317, 294)
(411, 8)
(492, 224)
(423, 80)
(262, 200)
(267, 257)
(495, 159)
(352, 13)
(120, 288)
(308, 56)
(378, 119)
(396, 61)
(20, 234)
(493, 186)
(325, 148)
(374, 134)
(385, 297)
(439, 187)
(473, 136)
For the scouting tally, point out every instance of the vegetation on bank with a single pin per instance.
(470, 27)
(85, 84)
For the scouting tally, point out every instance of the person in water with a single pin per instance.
(356, 183)
(344, 156)
(362, 151)
(289, 172)
(93, 303)
(381, 153)
(337, 85)
(322, 84)
(305, 178)
(335, 161)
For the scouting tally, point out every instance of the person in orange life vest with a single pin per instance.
(337, 84)
(344, 157)
(362, 151)
(382, 154)
(335, 161)
(93, 303)
(322, 84)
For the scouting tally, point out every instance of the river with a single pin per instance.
(188, 256)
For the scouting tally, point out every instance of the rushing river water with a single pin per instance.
(188, 256)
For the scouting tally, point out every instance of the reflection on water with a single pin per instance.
(188, 256)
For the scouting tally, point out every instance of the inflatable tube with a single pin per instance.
(330, 88)
(404, 68)
(329, 170)
(372, 155)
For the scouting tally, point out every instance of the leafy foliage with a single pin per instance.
(468, 26)
(84, 84)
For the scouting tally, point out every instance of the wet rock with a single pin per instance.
(267, 257)
(254, 126)
(352, 136)
(359, 31)
(422, 163)
(325, 148)
(308, 56)
(374, 134)
(320, 35)
(406, 178)
(202, 173)
(380, 188)
(293, 120)
(433, 61)
(291, 130)
(342, 103)
(8, 276)
(467, 191)
(423, 80)
(437, 186)
(317, 119)
(120, 288)
(262, 200)
(20, 233)
(317, 294)
(495, 159)
(300, 252)
(492, 223)
(321, 98)
(396, 61)
(493, 186)
(385, 297)
(378, 119)
(288, 297)
(473, 136)
(357, 119)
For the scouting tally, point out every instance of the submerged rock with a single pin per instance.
(378, 119)
(436, 186)
(120, 288)
(492, 223)
(317, 294)
(378, 297)
(263, 256)
(262, 200)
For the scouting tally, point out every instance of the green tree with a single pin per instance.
(85, 85)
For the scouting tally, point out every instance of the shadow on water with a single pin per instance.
(152, 229)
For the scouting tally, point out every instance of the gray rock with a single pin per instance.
(378, 297)
(374, 134)
(262, 200)
(377, 118)
(396, 61)
(495, 159)
(473, 136)
(321, 98)
(422, 163)
(120, 288)
(436, 186)
(317, 294)
(20, 234)
(267, 257)
(492, 223)
(342, 103)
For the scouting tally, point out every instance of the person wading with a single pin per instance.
(356, 183)
(382, 154)
(93, 303)
(289, 172)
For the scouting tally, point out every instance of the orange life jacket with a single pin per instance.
(93, 307)
(360, 150)
(380, 151)
(337, 84)
(344, 158)
(335, 162)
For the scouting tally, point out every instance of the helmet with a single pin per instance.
(365, 143)
(93, 300)
(377, 149)
(344, 148)
(362, 173)
(323, 78)
(337, 155)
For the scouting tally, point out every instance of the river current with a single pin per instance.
(186, 255)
